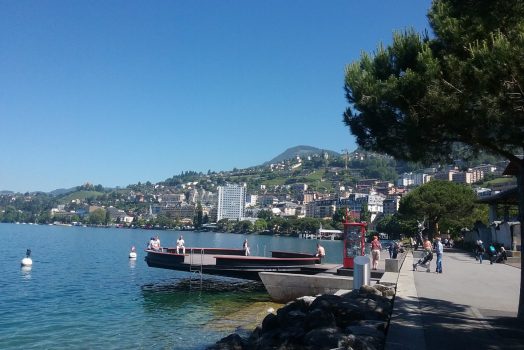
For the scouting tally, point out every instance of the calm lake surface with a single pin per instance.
(84, 293)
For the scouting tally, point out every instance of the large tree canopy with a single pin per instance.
(419, 96)
(465, 85)
(446, 206)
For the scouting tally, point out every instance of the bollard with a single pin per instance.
(361, 272)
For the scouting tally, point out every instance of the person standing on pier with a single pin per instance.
(180, 244)
(321, 252)
(245, 246)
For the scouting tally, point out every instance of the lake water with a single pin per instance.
(84, 293)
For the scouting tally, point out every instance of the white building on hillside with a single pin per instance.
(231, 202)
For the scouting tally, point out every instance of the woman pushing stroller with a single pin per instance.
(426, 258)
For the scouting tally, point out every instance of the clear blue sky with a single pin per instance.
(116, 92)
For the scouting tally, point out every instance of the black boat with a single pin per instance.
(233, 262)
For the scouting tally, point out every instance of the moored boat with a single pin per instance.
(233, 262)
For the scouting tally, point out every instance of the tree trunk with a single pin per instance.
(520, 191)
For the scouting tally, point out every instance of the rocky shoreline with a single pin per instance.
(356, 320)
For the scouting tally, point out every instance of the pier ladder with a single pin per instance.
(195, 266)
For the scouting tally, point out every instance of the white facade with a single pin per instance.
(251, 200)
(231, 202)
(413, 179)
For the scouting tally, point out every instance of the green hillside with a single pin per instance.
(82, 195)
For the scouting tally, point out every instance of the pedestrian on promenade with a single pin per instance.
(492, 253)
(479, 251)
(390, 249)
(376, 247)
(439, 249)
(427, 256)
(502, 255)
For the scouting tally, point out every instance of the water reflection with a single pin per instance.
(26, 272)
(132, 263)
(212, 295)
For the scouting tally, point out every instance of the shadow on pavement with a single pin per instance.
(454, 326)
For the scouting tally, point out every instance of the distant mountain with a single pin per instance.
(299, 151)
(62, 191)
(6, 192)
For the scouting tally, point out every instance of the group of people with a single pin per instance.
(154, 244)
(496, 252)
(394, 248)
(428, 249)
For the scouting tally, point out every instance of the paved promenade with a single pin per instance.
(468, 306)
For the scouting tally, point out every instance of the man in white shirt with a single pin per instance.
(180, 244)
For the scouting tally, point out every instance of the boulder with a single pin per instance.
(369, 290)
(366, 331)
(293, 318)
(327, 302)
(318, 318)
(231, 342)
(323, 338)
(367, 343)
(270, 322)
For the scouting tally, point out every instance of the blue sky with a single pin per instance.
(116, 92)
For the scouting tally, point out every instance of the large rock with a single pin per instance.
(323, 338)
(231, 342)
(270, 322)
(367, 343)
(318, 318)
(326, 302)
(356, 320)
(294, 318)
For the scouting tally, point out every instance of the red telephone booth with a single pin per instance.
(354, 241)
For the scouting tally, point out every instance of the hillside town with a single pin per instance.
(313, 186)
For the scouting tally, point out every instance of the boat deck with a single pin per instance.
(233, 262)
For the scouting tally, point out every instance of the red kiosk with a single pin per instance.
(354, 241)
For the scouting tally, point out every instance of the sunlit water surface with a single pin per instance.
(84, 293)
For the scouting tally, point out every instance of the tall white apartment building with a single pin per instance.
(231, 202)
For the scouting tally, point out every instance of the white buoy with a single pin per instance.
(132, 253)
(27, 261)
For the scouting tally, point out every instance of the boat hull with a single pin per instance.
(231, 262)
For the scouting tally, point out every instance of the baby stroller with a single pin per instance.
(424, 261)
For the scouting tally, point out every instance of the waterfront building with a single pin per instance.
(231, 202)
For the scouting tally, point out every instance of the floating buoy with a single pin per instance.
(132, 253)
(27, 261)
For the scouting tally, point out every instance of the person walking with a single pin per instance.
(479, 251)
(245, 246)
(376, 247)
(427, 256)
(492, 253)
(439, 249)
